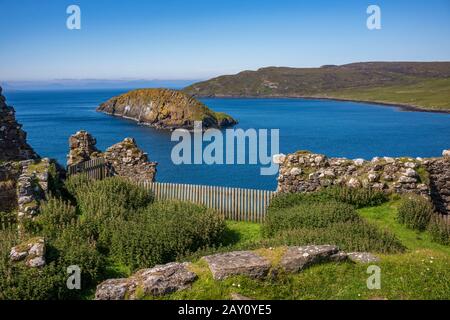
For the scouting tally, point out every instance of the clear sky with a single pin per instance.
(197, 39)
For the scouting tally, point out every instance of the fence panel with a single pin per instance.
(94, 169)
(233, 203)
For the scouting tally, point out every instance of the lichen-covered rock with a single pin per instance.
(113, 289)
(13, 144)
(296, 259)
(157, 281)
(164, 279)
(362, 257)
(32, 252)
(165, 109)
(245, 263)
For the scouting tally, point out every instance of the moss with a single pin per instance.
(424, 176)
(274, 255)
(39, 167)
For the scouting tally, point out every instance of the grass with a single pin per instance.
(420, 273)
(385, 216)
(428, 94)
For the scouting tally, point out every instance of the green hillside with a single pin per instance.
(424, 85)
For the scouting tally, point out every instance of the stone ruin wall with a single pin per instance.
(308, 172)
(123, 159)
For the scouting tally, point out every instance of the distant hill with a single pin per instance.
(91, 84)
(422, 85)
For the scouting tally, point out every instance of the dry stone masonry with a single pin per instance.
(82, 148)
(304, 171)
(123, 159)
(32, 186)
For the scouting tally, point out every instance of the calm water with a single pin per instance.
(333, 128)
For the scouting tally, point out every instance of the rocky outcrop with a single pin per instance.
(123, 159)
(13, 144)
(304, 171)
(229, 264)
(164, 109)
(157, 281)
(32, 252)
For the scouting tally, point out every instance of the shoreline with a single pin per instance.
(401, 106)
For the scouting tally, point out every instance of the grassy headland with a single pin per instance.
(413, 85)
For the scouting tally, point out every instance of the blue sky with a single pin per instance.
(198, 39)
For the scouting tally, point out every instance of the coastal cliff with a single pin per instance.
(13, 140)
(164, 109)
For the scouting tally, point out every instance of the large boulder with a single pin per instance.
(296, 259)
(235, 263)
(157, 281)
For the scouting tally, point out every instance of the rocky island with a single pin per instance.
(164, 109)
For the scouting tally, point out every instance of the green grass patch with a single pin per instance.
(385, 216)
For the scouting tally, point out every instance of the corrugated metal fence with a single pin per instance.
(233, 203)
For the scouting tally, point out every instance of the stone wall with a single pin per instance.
(308, 172)
(123, 159)
(128, 160)
(13, 145)
(439, 171)
(32, 186)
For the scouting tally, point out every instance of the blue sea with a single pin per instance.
(334, 128)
